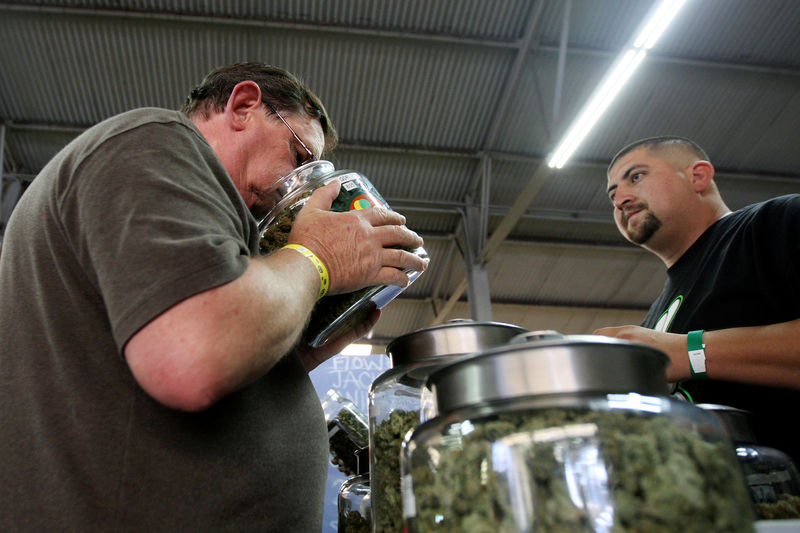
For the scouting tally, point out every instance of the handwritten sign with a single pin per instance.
(350, 376)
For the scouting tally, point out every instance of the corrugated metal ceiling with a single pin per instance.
(427, 94)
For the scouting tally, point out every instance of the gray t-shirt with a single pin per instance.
(132, 217)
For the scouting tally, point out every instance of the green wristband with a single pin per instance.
(697, 354)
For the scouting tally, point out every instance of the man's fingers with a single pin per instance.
(398, 236)
(323, 197)
(392, 276)
(380, 216)
(403, 260)
(335, 346)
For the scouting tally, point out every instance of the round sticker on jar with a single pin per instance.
(360, 202)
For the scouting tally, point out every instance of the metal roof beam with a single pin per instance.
(75, 129)
(475, 263)
(457, 208)
(375, 32)
(502, 231)
(556, 243)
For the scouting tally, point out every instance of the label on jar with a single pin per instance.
(357, 194)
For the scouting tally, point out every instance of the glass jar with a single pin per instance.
(354, 508)
(770, 474)
(336, 314)
(348, 431)
(573, 434)
(396, 400)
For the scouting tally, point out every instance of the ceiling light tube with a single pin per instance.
(622, 70)
(597, 105)
(657, 23)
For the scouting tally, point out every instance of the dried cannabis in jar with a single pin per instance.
(354, 506)
(354, 522)
(387, 502)
(346, 435)
(786, 506)
(559, 470)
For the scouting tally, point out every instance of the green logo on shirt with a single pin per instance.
(665, 320)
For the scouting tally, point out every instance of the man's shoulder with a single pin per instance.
(137, 118)
(147, 128)
(772, 211)
(786, 203)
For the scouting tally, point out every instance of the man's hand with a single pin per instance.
(359, 248)
(313, 357)
(672, 344)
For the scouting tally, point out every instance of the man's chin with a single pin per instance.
(642, 228)
(642, 234)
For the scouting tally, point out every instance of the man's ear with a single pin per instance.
(702, 175)
(244, 100)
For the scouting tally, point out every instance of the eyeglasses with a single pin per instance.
(311, 156)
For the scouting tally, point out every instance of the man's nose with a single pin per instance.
(622, 196)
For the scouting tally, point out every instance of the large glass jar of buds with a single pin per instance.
(347, 431)
(395, 400)
(771, 475)
(573, 434)
(333, 315)
(354, 505)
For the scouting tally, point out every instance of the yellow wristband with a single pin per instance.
(324, 279)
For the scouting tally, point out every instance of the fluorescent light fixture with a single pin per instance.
(658, 21)
(357, 349)
(597, 105)
(621, 71)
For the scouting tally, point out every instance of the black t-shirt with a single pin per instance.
(743, 271)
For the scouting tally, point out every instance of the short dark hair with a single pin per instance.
(661, 142)
(280, 88)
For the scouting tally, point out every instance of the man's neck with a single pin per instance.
(675, 247)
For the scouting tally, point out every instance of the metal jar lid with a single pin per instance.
(566, 365)
(738, 423)
(456, 337)
(536, 335)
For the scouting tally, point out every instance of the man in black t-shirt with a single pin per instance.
(729, 314)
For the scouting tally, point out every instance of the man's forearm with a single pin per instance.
(760, 355)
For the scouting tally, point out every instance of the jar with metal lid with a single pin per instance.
(569, 434)
(348, 431)
(395, 400)
(770, 474)
(354, 506)
(336, 314)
